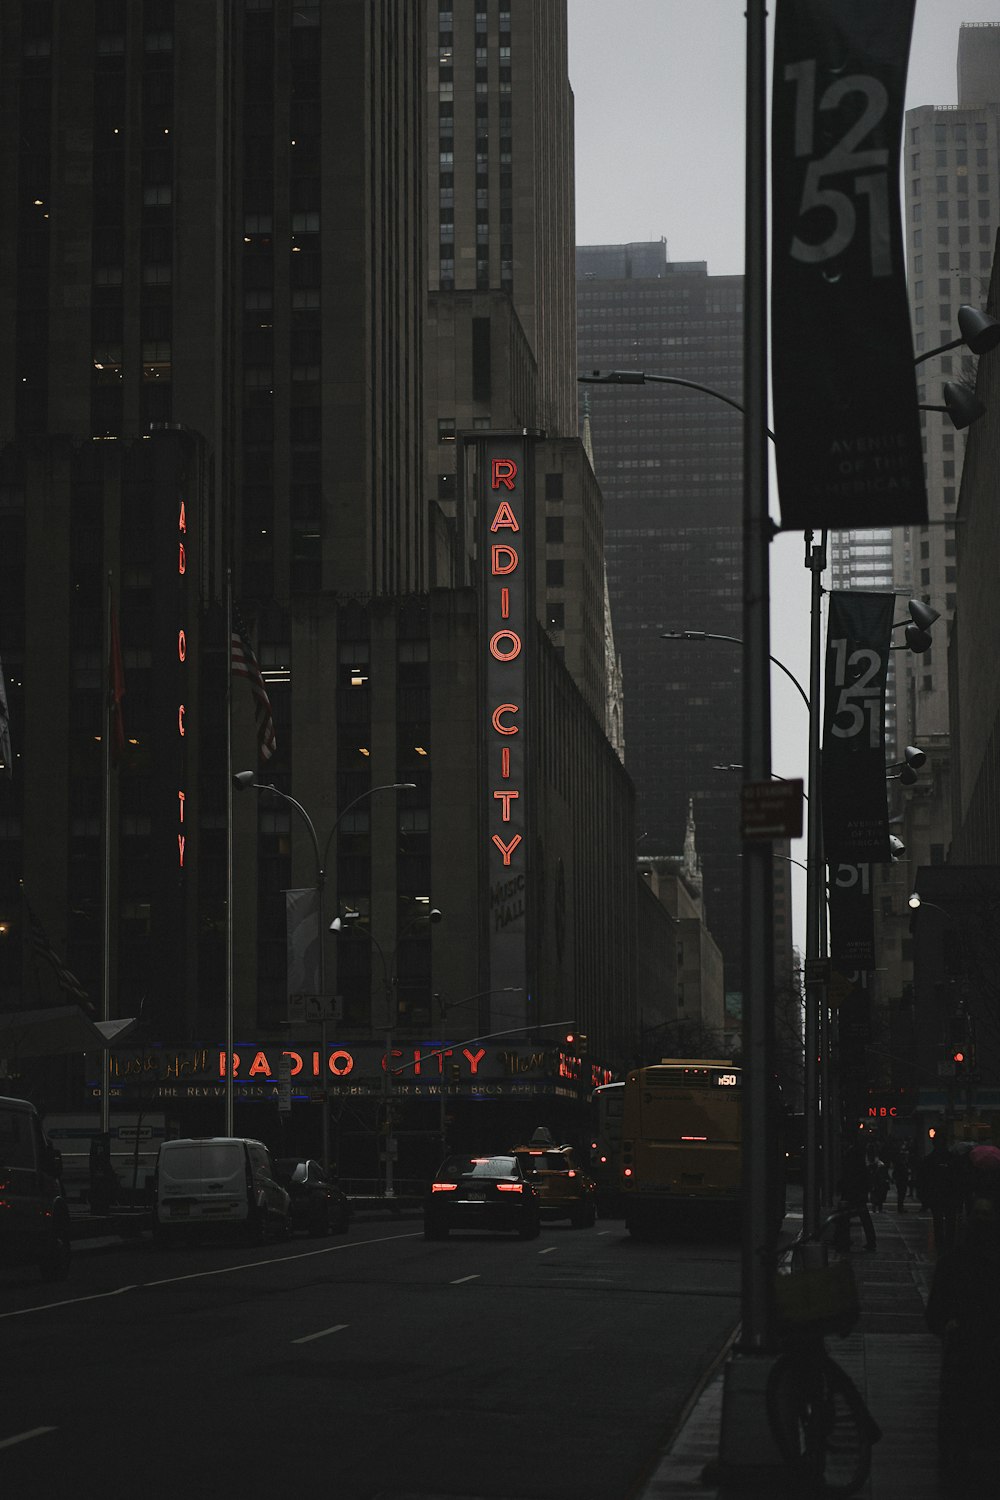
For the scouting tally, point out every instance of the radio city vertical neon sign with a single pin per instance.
(182, 673)
(505, 605)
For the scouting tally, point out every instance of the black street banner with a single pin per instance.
(852, 917)
(845, 395)
(855, 808)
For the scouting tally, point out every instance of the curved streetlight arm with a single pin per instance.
(388, 786)
(266, 786)
(640, 377)
(708, 635)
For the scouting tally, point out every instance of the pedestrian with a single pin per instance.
(901, 1178)
(878, 1183)
(941, 1184)
(963, 1309)
(854, 1191)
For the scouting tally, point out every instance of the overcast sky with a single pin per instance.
(659, 90)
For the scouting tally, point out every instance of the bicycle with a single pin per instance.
(818, 1419)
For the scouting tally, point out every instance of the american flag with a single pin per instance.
(245, 664)
(67, 979)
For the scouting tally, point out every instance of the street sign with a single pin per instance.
(284, 1084)
(817, 971)
(771, 809)
(305, 1008)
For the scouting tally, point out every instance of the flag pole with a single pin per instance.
(230, 1113)
(106, 940)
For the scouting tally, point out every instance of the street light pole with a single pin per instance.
(244, 779)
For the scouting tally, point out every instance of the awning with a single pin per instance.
(57, 1030)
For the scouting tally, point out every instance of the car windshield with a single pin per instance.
(478, 1166)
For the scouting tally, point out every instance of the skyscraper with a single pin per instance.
(670, 463)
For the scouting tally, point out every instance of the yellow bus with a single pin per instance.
(681, 1156)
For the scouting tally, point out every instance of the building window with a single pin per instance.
(446, 429)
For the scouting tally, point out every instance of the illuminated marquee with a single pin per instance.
(182, 674)
(506, 536)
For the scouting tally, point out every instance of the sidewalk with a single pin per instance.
(890, 1356)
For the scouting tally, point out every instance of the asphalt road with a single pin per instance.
(369, 1367)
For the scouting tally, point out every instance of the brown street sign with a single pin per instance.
(771, 809)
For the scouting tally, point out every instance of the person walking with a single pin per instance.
(963, 1310)
(941, 1186)
(854, 1191)
(878, 1183)
(901, 1178)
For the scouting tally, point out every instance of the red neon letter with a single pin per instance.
(180, 850)
(340, 1062)
(504, 708)
(182, 524)
(505, 635)
(504, 473)
(181, 558)
(506, 849)
(505, 762)
(504, 517)
(505, 604)
(506, 798)
(181, 800)
(505, 563)
(180, 719)
(296, 1061)
(259, 1065)
(475, 1058)
(182, 645)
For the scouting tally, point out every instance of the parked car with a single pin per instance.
(318, 1205)
(481, 1192)
(218, 1183)
(565, 1190)
(34, 1216)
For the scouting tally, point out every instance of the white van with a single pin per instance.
(219, 1182)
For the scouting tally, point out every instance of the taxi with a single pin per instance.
(565, 1190)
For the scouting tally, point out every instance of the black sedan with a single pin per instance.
(481, 1192)
(318, 1205)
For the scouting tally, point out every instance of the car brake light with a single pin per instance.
(443, 1187)
(509, 1187)
(571, 1173)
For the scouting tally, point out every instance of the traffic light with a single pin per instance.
(576, 1041)
(455, 1072)
(958, 1058)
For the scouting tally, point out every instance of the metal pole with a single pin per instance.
(324, 1068)
(230, 1124)
(759, 1124)
(815, 989)
(106, 936)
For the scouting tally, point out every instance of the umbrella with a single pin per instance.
(985, 1158)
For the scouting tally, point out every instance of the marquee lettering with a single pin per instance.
(506, 849)
(182, 646)
(505, 708)
(504, 559)
(504, 473)
(504, 518)
(506, 798)
(180, 720)
(181, 558)
(505, 635)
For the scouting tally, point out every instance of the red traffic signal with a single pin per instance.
(958, 1057)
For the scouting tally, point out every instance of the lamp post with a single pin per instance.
(390, 983)
(445, 1007)
(243, 780)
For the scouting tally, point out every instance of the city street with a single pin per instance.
(377, 1364)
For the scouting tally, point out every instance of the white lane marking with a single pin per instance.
(321, 1335)
(458, 1281)
(548, 1250)
(22, 1437)
(69, 1302)
(198, 1275)
(281, 1260)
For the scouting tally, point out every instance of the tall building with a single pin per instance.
(669, 463)
(951, 171)
(231, 353)
(191, 192)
